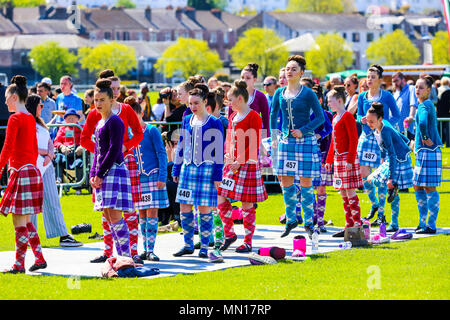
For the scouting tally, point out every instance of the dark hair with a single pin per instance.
(307, 81)
(353, 78)
(239, 88)
(165, 93)
(133, 104)
(90, 92)
(338, 92)
(378, 69)
(219, 93)
(104, 86)
(190, 83)
(399, 74)
(201, 90)
(211, 101)
(18, 86)
(32, 102)
(429, 81)
(44, 85)
(108, 74)
(299, 59)
(317, 88)
(377, 108)
(253, 68)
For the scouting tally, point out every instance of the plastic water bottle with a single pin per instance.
(366, 228)
(345, 245)
(383, 229)
(315, 242)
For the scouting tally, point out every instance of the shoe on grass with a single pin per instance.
(152, 257)
(137, 259)
(256, 259)
(426, 230)
(39, 266)
(372, 212)
(339, 234)
(391, 229)
(228, 242)
(244, 248)
(378, 222)
(69, 241)
(288, 228)
(215, 256)
(183, 252)
(100, 259)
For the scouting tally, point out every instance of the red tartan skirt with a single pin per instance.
(245, 185)
(131, 164)
(343, 179)
(24, 192)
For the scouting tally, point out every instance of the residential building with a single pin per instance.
(109, 3)
(415, 6)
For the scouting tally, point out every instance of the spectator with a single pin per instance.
(174, 110)
(89, 101)
(270, 86)
(213, 83)
(363, 85)
(158, 109)
(43, 90)
(445, 85)
(122, 94)
(67, 99)
(351, 101)
(144, 101)
(433, 93)
(406, 100)
(132, 93)
(443, 108)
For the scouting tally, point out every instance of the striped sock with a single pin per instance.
(320, 208)
(370, 190)
(249, 221)
(218, 229)
(355, 210)
(35, 243)
(206, 226)
(422, 205)
(132, 220)
(143, 224)
(152, 230)
(395, 209)
(21, 236)
(187, 224)
(290, 201)
(433, 201)
(196, 219)
(226, 214)
(382, 192)
(107, 237)
(348, 213)
(307, 205)
(121, 236)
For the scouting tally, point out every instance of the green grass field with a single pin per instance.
(417, 269)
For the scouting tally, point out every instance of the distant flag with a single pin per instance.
(446, 4)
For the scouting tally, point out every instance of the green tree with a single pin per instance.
(207, 4)
(128, 4)
(331, 54)
(118, 57)
(22, 3)
(262, 46)
(440, 48)
(53, 61)
(393, 48)
(190, 57)
(320, 6)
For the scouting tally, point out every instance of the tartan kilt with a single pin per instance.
(428, 168)
(325, 179)
(152, 197)
(248, 184)
(368, 145)
(115, 192)
(298, 157)
(131, 164)
(24, 192)
(196, 185)
(349, 179)
(404, 173)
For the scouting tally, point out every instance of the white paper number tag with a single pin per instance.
(227, 184)
(184, 194)
(98, 197)
(146, 199)
(290, 165)
(337, 183)
(369, 156)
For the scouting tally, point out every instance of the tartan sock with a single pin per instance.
(307, 205)
(315, 211)
(249, 221)
(107, 237)
(143, 222)
(205, 229)
(348, 213)
(422, 205)
(355, 210)
(218, 229)
(382, 192)
(433, 201)
(370, 190)
(132, 220)
(187, 224)
(298, 205)
(121, 236)
(196, 219)
(290, 202)
(35, 243)
(226, 213)
(21, 236)
(395, 209)
(152, 230)
(320, 208)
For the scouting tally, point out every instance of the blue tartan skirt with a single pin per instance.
(404, 173)
(115, 192)
(369, 153)
(196, 185)
(428, 168)
(151, 196)
(298, 157)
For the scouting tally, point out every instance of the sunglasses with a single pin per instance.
(268, 84)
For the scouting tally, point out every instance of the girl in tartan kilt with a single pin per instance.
(109, 177)
(198, 169)
(23, 195)
(396, 171)
(130, 120)
(242, 179)
(151, 158)
(428, 157)
(342, 153)
(298, 150)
